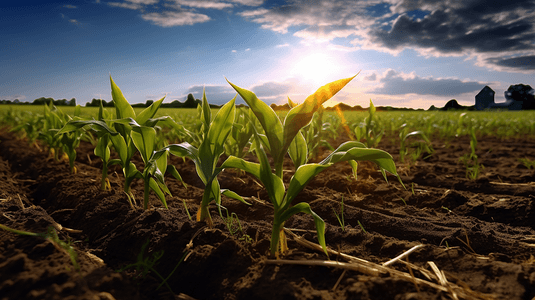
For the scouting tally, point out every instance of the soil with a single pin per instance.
(479, 234)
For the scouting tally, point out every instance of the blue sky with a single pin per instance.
(410, 53)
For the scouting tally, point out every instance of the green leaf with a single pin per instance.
(301, 115)
(221, 127)
(206, 113)
(273, 184)
(301, 178)
(122, 107)
(173, 171)
(102, 150)
(144, 138)
(149, 112)
(100, 126)
(240, 163)
(267, 118)
(156, 188)
(303, 207)
(120, 147)
(233, 195)
(298, 150)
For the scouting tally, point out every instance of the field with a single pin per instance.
(459, 204)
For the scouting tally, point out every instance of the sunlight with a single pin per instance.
(316, 68)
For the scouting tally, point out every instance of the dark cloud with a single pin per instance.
(478, 28)
(521, 62)
(456, 31)
(396, 84)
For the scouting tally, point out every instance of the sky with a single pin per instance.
(407, 53)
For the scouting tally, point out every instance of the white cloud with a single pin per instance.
(132, 6)
(283, 45)
(70, 6)
(248, 2)
(13, 97)
(176, 18)
(144, 2)
(204, 4)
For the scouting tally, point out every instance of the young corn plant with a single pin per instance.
(212, 146)
(238, 142)
(421, 146)
(473, 167)
(368, 129)
(130, 133)
(285, 137)
(316, 134)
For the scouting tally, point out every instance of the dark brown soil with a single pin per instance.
(480, 234)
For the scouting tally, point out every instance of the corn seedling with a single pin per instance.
(206, 156)
(146, 263)
(528, 163)
(423, 145)
(128, 134)
(239, 139)
(285, 137)
(52, 236)
(340, 217)
(361, 227)
(369, 129)
(473, 167)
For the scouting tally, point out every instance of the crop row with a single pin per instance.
(207, 135)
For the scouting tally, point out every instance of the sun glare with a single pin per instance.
(317, 68)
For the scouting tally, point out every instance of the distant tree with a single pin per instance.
(96, 103)
(522, 93)
(191, 102)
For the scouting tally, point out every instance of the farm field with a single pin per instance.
(464, 215)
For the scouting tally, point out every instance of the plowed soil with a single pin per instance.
(477, 235)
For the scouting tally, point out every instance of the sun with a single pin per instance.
(316, 68)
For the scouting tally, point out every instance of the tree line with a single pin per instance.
(190, 102)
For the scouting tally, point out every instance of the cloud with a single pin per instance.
(272, 89)
(13, 97)
(491, 31)
(175, 18)
(526, 62)
(397, 83)
(70, 6)
(283, 45)
(248, 2)
(324, 19)
(133, 6)
(144, 2)
(204, 4)
(215, 94)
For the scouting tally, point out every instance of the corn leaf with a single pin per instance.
(221, 127)
(268, 120)
(303, 207)
(144, 138)
(301, 115)
(233, 195)
(240, 163)
(298, 150)
(156, 188)
(273, 184)
(122, 107)
(149, 112)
